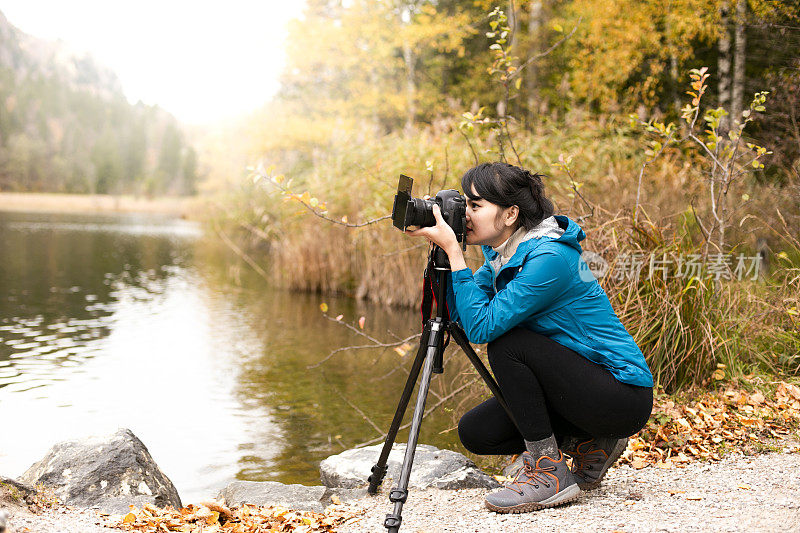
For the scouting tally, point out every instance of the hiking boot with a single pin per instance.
(592, 458)
(539, 484)
(511, 470)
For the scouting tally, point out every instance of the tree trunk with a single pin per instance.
(411, 84)
(411, 87)
(535, 25)
(739, 55)
(674, 74)
(724, 61)
(513, 23)
(673, 59)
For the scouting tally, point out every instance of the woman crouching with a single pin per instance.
(572, 376)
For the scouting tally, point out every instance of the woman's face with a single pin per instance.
(488, 223)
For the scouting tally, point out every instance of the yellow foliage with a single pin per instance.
(615, 40)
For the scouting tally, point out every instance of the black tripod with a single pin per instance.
(431, 350)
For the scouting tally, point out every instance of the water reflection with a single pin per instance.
(125, 321)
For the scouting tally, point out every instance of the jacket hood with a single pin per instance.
(572, 235)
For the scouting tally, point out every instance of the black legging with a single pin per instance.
(550, 389)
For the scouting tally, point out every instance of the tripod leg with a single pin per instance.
(461, 339)
(399, 494)
(379, 469)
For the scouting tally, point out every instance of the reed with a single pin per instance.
(693, 331)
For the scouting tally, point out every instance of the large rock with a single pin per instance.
(15, 494)
(109, 472)
(296, 497)
(441, 469)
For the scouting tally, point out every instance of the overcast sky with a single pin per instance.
(200, 60)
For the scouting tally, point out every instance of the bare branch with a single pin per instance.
(425, 414)
(575, 188)
(342, 349)
(699, 222)
(546, 52)
(342, 223)
(469, 143)
(375, 343)
(247, 259)
(355, 408)
(404, 250)
(321, 214)
(510, 140)
(354, 329)
(390, 373)
(711, 154)
(641, 175)
(446, 166)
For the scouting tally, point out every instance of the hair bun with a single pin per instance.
(535, 183)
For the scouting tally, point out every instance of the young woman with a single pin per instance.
(572, 376)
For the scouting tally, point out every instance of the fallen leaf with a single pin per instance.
(793, 390)
(757, 398)
(749, 421)
(403, 349)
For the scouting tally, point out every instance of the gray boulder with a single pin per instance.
(296, 497)
(441, 469)
(109, 472)
(15, 494)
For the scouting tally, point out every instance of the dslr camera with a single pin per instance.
(410, 211)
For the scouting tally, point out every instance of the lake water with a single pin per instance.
(144, 322)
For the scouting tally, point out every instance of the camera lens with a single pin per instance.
(420, 213)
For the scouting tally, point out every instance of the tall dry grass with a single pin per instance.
(692, 331)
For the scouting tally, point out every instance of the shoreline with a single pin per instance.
(182, 207)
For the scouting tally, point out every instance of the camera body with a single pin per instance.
(410, 211)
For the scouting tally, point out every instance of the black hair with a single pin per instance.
(507, 185)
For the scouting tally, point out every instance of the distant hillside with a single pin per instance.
(66, 126)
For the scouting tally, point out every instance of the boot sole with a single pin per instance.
(565, 496)
(616, 453)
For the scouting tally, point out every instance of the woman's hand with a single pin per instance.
(443, 236)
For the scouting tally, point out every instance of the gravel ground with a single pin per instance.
(739, 493)
(61, 520)
(756, 493)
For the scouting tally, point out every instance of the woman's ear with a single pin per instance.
(510, 216)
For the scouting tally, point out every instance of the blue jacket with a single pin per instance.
(547, 288)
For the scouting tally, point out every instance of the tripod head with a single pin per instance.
(438, 259)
